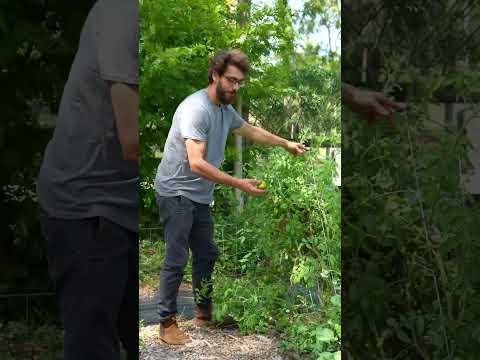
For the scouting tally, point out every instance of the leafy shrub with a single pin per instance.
(280, 265)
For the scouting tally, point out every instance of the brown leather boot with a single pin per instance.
(171, 334)
(203, 315)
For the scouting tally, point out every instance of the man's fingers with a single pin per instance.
(393, 104)
(299, 149)
(256, 191)
(253, 188)
(381, 110)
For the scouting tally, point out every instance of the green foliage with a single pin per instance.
(321, 14)
(19, 340)
(408, 224)
(281, 256)
(204, 291)
(252, 303)
(151, 254)
(305, 94)
(150, 258)
(142, 343)
(404, 197)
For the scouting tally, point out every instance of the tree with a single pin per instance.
(321, 13)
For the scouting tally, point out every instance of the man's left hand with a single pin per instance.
(295, 148)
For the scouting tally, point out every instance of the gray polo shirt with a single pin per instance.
(197, 117)
(83, 173)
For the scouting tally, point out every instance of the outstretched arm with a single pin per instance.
(262, 136)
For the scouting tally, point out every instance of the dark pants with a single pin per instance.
(187, 224)
(94, 266)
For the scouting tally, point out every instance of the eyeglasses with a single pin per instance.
(234, 81)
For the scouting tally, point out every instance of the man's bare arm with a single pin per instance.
(125, 101)
(196, 158)
(262, 136)
(348, 94)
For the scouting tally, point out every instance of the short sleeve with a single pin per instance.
(117, 41)
(237, 120)
(194, 124)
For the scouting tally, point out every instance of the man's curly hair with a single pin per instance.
(219, 63)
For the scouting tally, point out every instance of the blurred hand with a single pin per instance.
(295, 148)
(371, 104)
(249, 186)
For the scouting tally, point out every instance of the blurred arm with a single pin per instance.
(125, 101)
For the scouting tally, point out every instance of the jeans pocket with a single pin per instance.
(164, 207)
(108, 240)
(181, 205)
(63, 249)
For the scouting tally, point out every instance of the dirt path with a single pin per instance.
(209, 344)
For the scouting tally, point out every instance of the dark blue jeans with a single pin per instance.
(93, 264)
(187, 225)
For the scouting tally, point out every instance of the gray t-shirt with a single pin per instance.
(197, 117)
(83, 173)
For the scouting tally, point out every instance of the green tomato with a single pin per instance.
(262, 185)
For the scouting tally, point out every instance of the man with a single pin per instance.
(185, 181)
(369, 104)
(88, 189)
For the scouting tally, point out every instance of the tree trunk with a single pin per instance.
(330, 56)
(243, 15)
(239, 159)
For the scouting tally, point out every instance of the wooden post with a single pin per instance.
(364, 65)
(239, 159)
(243, 16)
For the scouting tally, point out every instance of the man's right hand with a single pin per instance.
(196, 151)
(370, 104)
(250, 186)
(374, 105)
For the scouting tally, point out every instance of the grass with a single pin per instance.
(151, 255)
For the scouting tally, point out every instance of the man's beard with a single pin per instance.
(222, 95)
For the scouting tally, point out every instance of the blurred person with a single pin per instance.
(88, 189)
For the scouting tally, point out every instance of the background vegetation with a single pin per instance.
(408, 223)
(39, 41)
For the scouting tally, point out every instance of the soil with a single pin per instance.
(209, 344)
